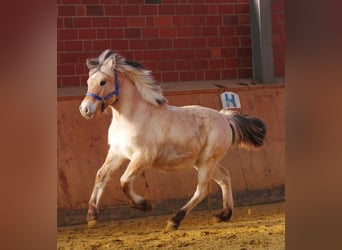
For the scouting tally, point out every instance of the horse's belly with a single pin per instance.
(174, 165)
(172, 158)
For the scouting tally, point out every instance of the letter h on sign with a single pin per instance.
(230, 100)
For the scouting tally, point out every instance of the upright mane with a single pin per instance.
(146, 85)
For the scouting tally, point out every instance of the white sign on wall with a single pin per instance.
(230, 100)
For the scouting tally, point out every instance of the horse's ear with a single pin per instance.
(92, 63)
(110, 62)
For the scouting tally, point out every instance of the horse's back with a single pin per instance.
(210, 118)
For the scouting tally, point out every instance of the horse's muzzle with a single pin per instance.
(87, 109)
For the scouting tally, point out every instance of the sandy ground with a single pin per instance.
(255, 227)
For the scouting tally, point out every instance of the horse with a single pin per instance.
(147, 132)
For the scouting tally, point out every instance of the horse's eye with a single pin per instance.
(102, 83)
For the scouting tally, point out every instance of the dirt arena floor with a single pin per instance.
(254, 227)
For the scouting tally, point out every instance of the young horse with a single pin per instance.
(150, 133)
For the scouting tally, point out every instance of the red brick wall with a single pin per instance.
(278, 30)
(177, 40)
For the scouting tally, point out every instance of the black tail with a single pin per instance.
(248, 131)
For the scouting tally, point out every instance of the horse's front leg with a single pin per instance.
(112, 163)
(134, 168)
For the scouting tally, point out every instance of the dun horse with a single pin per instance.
(149, 133)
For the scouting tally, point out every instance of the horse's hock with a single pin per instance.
(257, 176)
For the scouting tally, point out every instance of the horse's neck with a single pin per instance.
(130, 103)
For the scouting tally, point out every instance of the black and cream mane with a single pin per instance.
(146, 85)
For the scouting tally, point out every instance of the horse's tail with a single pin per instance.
(248, 131)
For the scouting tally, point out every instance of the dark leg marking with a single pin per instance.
(176, 219)
(224, 215)
(144, 205)
(93, 214)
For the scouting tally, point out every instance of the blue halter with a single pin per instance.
(115, 92)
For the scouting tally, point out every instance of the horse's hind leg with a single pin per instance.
(200, 193)
(221, 176)
(102, 177)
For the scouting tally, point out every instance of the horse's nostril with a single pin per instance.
(84, 110)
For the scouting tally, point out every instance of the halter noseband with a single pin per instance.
(115, 92)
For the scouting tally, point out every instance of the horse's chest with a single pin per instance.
(122, 141)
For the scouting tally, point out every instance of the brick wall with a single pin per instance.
(178, 40)
(278, 30)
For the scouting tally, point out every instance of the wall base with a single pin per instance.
(242, 198)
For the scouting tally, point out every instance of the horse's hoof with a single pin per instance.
(171, 226)
(223, 216)
(92, 223)
(217, 219)
(174, 222)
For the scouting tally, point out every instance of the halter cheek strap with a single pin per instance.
(115, 92)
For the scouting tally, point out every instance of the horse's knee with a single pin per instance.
(101, 175)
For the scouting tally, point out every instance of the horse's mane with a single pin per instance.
(146, 85)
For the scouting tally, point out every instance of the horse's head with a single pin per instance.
(103, 88)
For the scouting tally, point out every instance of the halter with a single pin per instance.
(115, 92)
